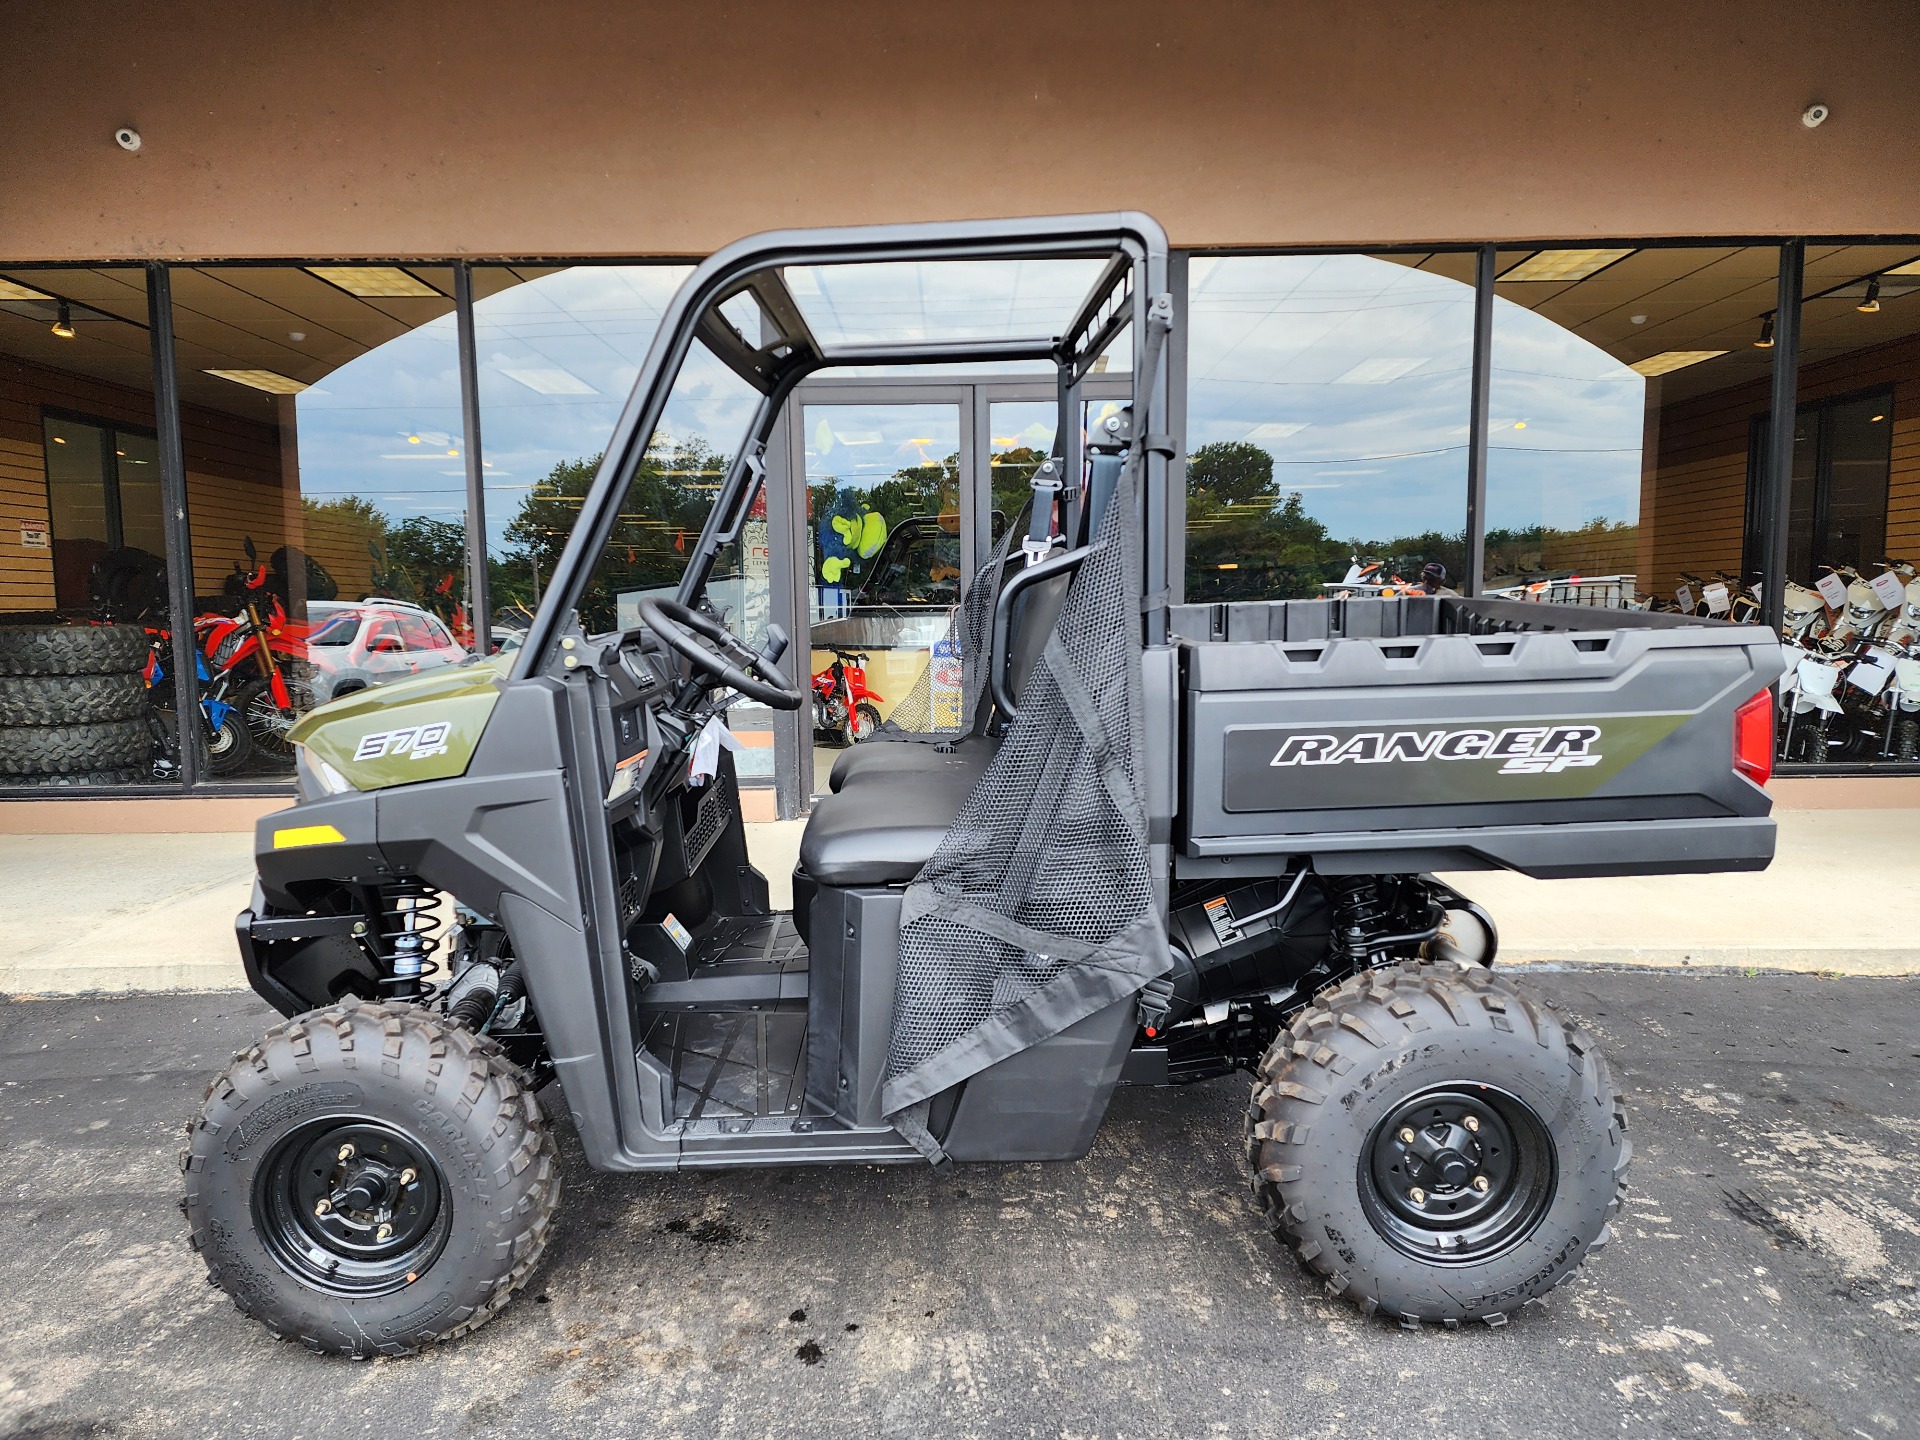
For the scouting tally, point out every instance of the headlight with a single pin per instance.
(315, 777)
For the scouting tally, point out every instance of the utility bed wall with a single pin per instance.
(1434, 733)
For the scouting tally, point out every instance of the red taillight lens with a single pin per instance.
(1753, 738)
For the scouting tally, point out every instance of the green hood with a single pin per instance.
(421, 729)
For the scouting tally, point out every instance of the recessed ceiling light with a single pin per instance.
(1276, 429)
(1912, 267)
(1667, 361)
(267, 380)
(1564, 264)
(296, 335)
(373, 280)
(1381, 370)
(11, 290)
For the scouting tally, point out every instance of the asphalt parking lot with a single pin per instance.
(1762, 1283)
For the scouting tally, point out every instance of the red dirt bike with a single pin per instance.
(845, 711)
(261, 654)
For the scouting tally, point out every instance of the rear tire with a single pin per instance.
(1906, 739)
(868, 721)
(1492, 1084)
(71, 749)
(343, 1104)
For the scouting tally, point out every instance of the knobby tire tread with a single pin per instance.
(1378, 1009)
(469, 1066)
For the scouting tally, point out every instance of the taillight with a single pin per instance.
(1753, 738)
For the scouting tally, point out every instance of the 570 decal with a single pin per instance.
(1522, 749)
(419, 741)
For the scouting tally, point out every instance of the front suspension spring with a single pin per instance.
(409, 934)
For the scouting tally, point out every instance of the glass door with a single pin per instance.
(885, 554)
(898, 489)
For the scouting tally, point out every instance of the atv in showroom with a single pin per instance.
(1140, 842)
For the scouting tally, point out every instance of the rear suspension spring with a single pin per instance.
(410, 923)
(1358, 915)
(1362, 921)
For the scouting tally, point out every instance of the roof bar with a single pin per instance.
(925, 352)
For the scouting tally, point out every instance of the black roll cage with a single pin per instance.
(1125, 294)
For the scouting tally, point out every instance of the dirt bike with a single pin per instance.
(229, 743)
(844, 709)
(264, 653)
(1852, 689)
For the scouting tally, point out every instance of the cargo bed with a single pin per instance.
(1445, 733)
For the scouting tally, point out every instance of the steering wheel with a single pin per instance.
(705, 644)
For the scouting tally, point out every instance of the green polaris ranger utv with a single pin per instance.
(1112, 839)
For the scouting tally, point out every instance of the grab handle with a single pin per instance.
(1003, 617)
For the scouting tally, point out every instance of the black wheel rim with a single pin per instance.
(351, 1206)
(1458, 1174)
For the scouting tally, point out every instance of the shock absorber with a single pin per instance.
(1363, 921)
(409, 935)
(1359, 915)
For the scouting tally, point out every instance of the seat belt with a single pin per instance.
(1048, 483)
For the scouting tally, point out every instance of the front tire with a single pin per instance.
(369, 1179)
(265, 719)
(1437, 1143)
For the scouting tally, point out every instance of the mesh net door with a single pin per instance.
(1037, 910)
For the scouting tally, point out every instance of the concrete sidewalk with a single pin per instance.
(155, 912)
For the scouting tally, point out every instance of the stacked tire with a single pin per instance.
(73, 705)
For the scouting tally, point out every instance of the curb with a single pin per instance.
(1728, 959)
(32, 982)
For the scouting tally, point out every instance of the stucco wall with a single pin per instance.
(610, 127)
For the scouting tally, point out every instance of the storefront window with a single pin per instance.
(326, 489)
(1624, 384)
(1852, 587)
(80, 532)
(558, 352)
(1328, 413)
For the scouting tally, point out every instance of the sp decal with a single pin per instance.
(419, 741)
(1521, 749)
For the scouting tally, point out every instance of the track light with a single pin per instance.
(1871, 305)
(63, 327)
(1765, 342)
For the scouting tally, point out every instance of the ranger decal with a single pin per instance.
(1524, 749)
